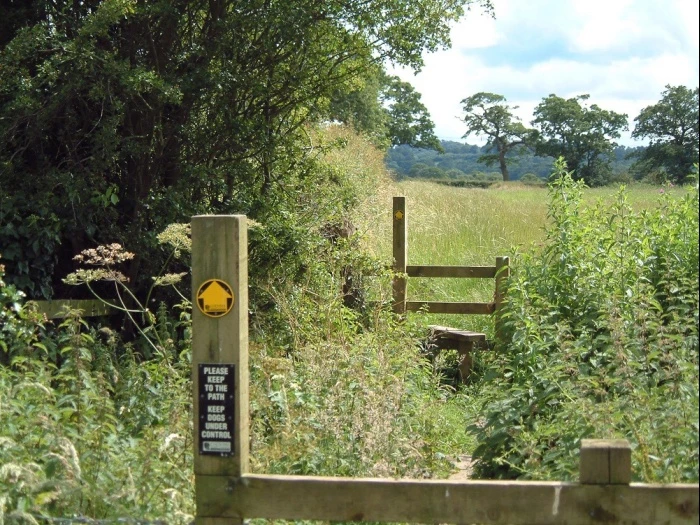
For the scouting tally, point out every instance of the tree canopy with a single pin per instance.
(409, 120)
(118, 117)
(671, 125)
(387, 109)
(582, 135)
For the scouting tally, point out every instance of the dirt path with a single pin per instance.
(464, 466)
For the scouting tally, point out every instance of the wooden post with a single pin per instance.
(464, 349)
(219, 353)
(400, 250)
(502, 273)
(605, 462)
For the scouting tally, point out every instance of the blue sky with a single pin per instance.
(621, 52)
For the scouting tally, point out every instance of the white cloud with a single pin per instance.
(622, 52)
(603, 24)
(476, 30)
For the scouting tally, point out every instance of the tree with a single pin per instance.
(671, 125)
(388, 110)
(487, 114)
(360, 106)
(409, 121)
(581, 135)
(118, 117)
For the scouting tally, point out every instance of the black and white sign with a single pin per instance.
(216, 409)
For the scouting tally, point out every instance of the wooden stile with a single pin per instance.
(458, 341)
(499, 272)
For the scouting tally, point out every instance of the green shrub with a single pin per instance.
(13, 332)
(343, 391)
(600, 340)
(83, 432)
(94, 436)
(530, 179)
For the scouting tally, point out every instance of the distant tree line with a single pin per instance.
(584, 135)
(462, 161)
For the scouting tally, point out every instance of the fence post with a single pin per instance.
(400, 252)
(502, 273)
(219, 354)
(605, 462)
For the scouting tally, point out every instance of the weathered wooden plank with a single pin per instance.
(220, 253)
(436, 307)
(446, 501)
(476, 272)
(455, 334)
(400, 253)
(90, 307)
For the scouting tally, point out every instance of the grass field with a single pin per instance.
(472, 226)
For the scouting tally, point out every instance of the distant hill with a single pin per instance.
(460, 161)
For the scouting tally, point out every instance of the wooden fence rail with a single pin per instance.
(90, 307)
(227, 494)
(438, 501)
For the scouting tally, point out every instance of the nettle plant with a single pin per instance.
(600, 340)
(88, 429)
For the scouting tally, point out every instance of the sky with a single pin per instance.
(620, 52)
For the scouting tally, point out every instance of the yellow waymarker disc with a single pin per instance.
(215, 298)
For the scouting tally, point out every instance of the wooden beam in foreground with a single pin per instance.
(444, 501)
